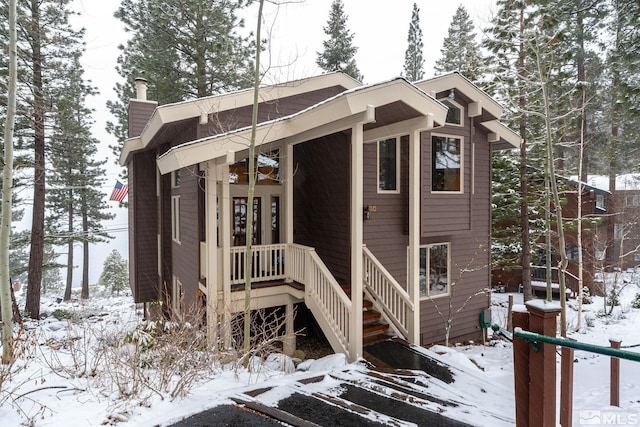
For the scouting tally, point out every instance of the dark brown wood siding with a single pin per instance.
(185, 253)
(143, 226)
(322, 200)
(138, 115)
(386, 232)
(464, 221)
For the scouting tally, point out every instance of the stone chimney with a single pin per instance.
(141, 88)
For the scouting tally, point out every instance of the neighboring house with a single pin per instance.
(374, 193)
(622, 243)
(594, 228)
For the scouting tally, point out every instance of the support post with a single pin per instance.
(224, 303)
(614, 388)
(357, 192)
(566, 387)
(520, 317)
(542, 364)
(211, 253)
(289, 341)
(413, 284)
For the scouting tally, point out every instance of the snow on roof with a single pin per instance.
(629, 181)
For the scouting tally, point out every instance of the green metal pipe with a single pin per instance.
(607, 351)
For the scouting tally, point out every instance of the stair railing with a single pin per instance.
(394, 301)
(323, 295)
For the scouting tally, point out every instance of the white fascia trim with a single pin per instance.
(504, 134)
(331, 115)
(194, 108)
(459, 82)
(130, 145)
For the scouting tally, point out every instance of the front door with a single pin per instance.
(240, 221)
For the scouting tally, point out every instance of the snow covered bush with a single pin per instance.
(586, 296)
(636, 301)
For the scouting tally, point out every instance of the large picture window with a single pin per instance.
(388, 165)
(434, 270)
(446, 163)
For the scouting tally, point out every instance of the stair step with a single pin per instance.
(374, 328)
(370, 315)
(380, 336)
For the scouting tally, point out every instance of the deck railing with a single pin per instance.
(387, 292)
(267, 263)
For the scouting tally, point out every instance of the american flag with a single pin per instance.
(119, 192)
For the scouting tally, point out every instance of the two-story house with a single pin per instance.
(370, 200)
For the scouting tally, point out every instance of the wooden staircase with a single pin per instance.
(374, 329)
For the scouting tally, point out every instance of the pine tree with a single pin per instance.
(202, 53)
(339, 51)
(115, 273)
(48, 41)
(413, 59)
(460, 51)
(76, 206)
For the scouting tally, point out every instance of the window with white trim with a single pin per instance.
(175, 218)
(455, 112)
(446, 163)
(434, 270)
(389, 166)
(175, 178)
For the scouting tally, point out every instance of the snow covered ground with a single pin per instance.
(82, 372)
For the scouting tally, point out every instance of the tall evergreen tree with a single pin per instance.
(76, 205)
(413, 60)
(339, 51)
(185, 49)
(460, 51)
(48, 41)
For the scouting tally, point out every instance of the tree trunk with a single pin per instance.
(6, 292)
(37, 223)
(85, 249)
(524, 186)
(252, 184)
(69, 282)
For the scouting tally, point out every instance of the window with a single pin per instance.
(455, 113)
(618, 231)
(267, 168)
(572, 253)
(600, 201)
(434, 270)
(446, 163)
(633, 200)
(175, 218)
(175, 178)
(388, 165)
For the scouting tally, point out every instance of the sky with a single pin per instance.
(296, 34)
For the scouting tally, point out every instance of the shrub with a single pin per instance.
(636, 301)
(586, 296)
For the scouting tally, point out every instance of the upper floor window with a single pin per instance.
(600, 201)
(455, 113)
(266, 168)
(446, 163)
(175, 178)
(388, 166)
(434, 270)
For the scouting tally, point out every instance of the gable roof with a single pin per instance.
(175, 112)
(488, 110)
(340, 112)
